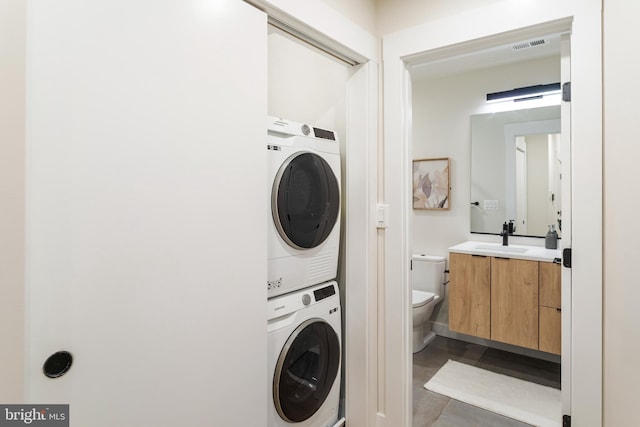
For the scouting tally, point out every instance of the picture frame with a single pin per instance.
(431, 188)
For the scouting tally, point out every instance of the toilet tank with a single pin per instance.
(427, 273)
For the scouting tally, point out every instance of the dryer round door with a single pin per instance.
(306, 370)
(305, 200)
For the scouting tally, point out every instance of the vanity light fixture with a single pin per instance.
(525, 93)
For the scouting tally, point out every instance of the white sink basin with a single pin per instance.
(501, 248)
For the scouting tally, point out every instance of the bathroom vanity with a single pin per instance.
(509, 294)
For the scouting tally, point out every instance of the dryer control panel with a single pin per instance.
(325, 292)
(289, 127)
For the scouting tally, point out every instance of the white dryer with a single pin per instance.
(304, 186)
(304, 340)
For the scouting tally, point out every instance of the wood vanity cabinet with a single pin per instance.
(550, 322)
(514, 301)
(470, 294)
(508, 300)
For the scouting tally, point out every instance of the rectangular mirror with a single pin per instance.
(515, 171)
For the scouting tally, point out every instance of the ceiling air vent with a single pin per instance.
(529, 44)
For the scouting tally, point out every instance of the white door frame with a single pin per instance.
(361, 279)
(565, 241)
(474, 31)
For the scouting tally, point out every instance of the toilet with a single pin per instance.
(427, 281)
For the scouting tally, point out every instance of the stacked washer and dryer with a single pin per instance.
(303, 305)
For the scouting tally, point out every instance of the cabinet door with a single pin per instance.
(514, 302)
(550, 284)
(470, 294)
(550, 303)
(550, 329)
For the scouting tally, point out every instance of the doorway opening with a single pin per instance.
(314, 80)
(448, 112)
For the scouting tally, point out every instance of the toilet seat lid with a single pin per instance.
(422, 297)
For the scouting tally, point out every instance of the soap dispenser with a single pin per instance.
(551, 239)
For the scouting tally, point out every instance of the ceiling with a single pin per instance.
(524, 50)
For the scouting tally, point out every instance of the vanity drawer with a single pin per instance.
(550, 285)
(550, 304)
(550, 330)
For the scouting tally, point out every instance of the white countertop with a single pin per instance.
(532, 253)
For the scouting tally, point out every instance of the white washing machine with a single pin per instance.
(304, 340)
(304, 185)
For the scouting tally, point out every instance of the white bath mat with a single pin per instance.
(514, 398)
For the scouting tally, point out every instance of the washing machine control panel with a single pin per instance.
(281, 306)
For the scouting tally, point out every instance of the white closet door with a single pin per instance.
(146, 250)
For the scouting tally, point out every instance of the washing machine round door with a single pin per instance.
(306, 370)
(305, 200)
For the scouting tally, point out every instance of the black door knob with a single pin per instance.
(57, 364)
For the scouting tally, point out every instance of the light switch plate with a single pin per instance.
(490, 205)
(382, 215)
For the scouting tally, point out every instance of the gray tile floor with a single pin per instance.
(435, 410)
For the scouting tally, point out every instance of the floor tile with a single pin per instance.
(436, 354)
(459, 414)
(427, 407)
(523, 367)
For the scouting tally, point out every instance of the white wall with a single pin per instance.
(12, 185)
(395, 15)
(305, 85)
(442, 128)
(146, 235)
(621, 207)
(361, 12)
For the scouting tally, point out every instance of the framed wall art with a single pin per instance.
(431, 184)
